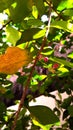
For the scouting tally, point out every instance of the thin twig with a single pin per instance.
(51, 5)
(49, 21)
(27, 84)
(5, 25)
(30, 76)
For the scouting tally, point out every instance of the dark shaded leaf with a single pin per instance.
(68, 12)
(40, 6)
(66, 102)
(70, 110)
(35, 22)
(31, 34)
(65, 114)
(19, 10)
(43, 114)
(5, 4)
(2, 110)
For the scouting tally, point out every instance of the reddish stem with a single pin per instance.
(27, 84)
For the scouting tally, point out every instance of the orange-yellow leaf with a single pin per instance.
(13, 59)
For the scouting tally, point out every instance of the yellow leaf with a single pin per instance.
(13, 59)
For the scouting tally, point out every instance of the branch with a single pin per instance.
(5, 25)
(49, 21)
(30, 76)
(27, 84)
(51, 5)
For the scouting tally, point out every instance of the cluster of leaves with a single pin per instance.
(23, 26)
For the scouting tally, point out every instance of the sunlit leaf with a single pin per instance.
(47, 51)
(34, 82)
(12, 35)
(40, 77)
(70, 56)
(65, 4)
(13, 59)
(44, 127)
(35, 12)
(40, 34)
(66, 26)
(63, 69)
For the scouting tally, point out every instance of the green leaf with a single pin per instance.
(66, 26)
(2, 110)
(65, 4)
(70, 110)
(60, 61)
(39, 34)
(70, 55)
(31, 34)
(12, 35)
(44, 127)
(19, 10)
(47, 51)
(43, 115)
(40, 77)
(35, 22)
(40, 6)
(66, 102)
(5, 4)
(35, 12)
(68, 12)
(63, 69)
(34, 82)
